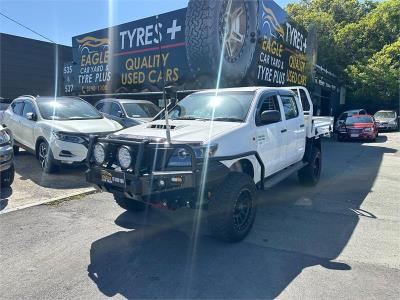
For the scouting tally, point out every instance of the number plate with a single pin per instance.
(354, 135)
(114, 178)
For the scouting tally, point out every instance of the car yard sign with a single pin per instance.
(240, 43)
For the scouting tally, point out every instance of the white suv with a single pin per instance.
(56, 130)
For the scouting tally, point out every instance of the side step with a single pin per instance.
(269, 182)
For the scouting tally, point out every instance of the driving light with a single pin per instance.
(99, 153)
(4, 137)
(124, 157)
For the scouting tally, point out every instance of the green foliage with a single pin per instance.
(359, 41)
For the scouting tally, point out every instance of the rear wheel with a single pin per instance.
(7, 177)
(232, 208)
(46, 159)
(130, 204)
(310, 174)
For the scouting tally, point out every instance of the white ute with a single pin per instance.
(224, 145)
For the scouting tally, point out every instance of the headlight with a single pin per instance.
(180, 158)
(4, 137)
(392, 122)
(99, 153)
(369, 129)
(67, 137)
(205, 150)
(124, 157)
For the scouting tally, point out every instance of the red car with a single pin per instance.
(361, 127)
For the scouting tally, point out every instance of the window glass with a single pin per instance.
(304, 100)
(115, 110)
(141, 110)
(17, 107)
(359, 119)
(224, 107)
(385, 114)
(67, 109)
(290, 107)
(28, 108)
(100, 106)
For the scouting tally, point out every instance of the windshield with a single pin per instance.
(359, 119)
(227, 106)
(67, 109)
(385, 114)
(141, 110)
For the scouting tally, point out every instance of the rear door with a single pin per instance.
(14, 117)
(295, 129)
(271, 138)
(28, 126)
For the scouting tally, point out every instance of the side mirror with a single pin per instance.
(270, 117)
(120, 114)
(31, 116)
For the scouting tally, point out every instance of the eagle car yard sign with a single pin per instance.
(229, 43)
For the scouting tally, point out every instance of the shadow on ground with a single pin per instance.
(27, 167)
(161, 256)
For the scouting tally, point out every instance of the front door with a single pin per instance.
(271, 138)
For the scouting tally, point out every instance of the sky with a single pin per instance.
(60, 20)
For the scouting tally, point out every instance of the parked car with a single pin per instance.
(358, 127)
(128, 112)
(4, 103)
(55, 129)
(344, 115)
(6, 158)
(221, 150)
(387, 120)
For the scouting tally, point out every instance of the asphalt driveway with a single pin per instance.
(338, 240)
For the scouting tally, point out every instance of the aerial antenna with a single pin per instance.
(168, 128)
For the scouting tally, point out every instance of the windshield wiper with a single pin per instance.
(228, 119)
(190, 118)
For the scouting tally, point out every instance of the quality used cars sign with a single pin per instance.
(240, 43)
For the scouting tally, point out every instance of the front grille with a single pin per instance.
(355, 131)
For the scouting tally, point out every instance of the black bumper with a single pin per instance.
(163, 183)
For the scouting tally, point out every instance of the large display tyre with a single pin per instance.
(310, 174)
(232, 208)
(7, 177)
(46, 158)
(129, 204)
(224, 25)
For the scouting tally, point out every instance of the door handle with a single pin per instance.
(283, 130)
(302, 126)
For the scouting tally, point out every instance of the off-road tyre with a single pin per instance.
(7, 177)
(310, 174)
(46, 159)
(223, 209)
(205, 25)
(130, 204)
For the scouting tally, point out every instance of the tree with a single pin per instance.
(357, 40)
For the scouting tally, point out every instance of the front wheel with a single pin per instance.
(46, 159)
(7, 177)
(232, 208)
(130, 204)
(310, 174)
